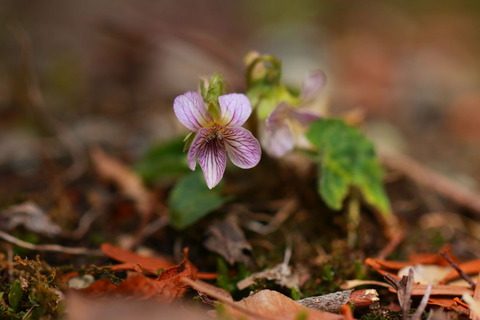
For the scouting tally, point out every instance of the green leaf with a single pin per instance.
(15, 295)
(164, 161)
(347, 160)
(191, 200)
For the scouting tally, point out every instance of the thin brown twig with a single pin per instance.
(433, 180)
(391, 245)
(423, 304)
(48, 247)
(85, 223)
(458, 269)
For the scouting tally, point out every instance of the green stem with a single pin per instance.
(353, 217)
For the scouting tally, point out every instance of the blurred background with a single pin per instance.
(77, 74)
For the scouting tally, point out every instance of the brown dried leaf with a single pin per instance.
(268, 304)
(131, 259)
(228, 240)
(440, 290)
(31, 217)
(127, 181)
(166, 287)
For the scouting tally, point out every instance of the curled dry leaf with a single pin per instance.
(228, 240)
(127, 181)
(281, 274)
(268, 304)
(265, 304)
(132, 260)
(165, 288)
(425, 274)
(30, 216)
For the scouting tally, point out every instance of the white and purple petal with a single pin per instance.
(235, 109)
(212, 158)
(313, 84)
(242, 147)
(196, 145)
(191, 111)
(305, 117)
(278, 116)
(278, 140)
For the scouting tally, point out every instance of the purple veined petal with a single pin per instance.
(305, 117)
(196, 145)
(212, 158)
(313, 84)
(242, 147)
(278, 140)
(278, 116)
(235, 109)
(191, 111)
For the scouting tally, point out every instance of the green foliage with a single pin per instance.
(347, 159)
(191, 200)
(302, 315)
(164, 161)
(15, 295)
(32, 295)
(227, 281)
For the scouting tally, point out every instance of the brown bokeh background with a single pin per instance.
(74, 74)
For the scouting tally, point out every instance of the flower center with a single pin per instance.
(215, 133)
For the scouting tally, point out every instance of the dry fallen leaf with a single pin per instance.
(281, 274)
(165, 288)
(131, 259)
(264, 305)
(268, 304)
(127, 181)
(31, 217)
(228, 240)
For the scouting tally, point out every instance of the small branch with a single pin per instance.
(333, 302)
(85, 223)
(391, 245)
(433, 180)
(353, 216)
(48, 247)
(457, 268)
(423, 304)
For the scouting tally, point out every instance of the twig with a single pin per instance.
(347, 312)
(457, 268)
(333, 302)
(280, 217)
(423, 304)
(48, 247)
(391, 245)
(404, 289)
(476, 296)
(85, 222)
(433, 180)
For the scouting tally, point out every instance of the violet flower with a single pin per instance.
(278, 139)
(218, 137)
